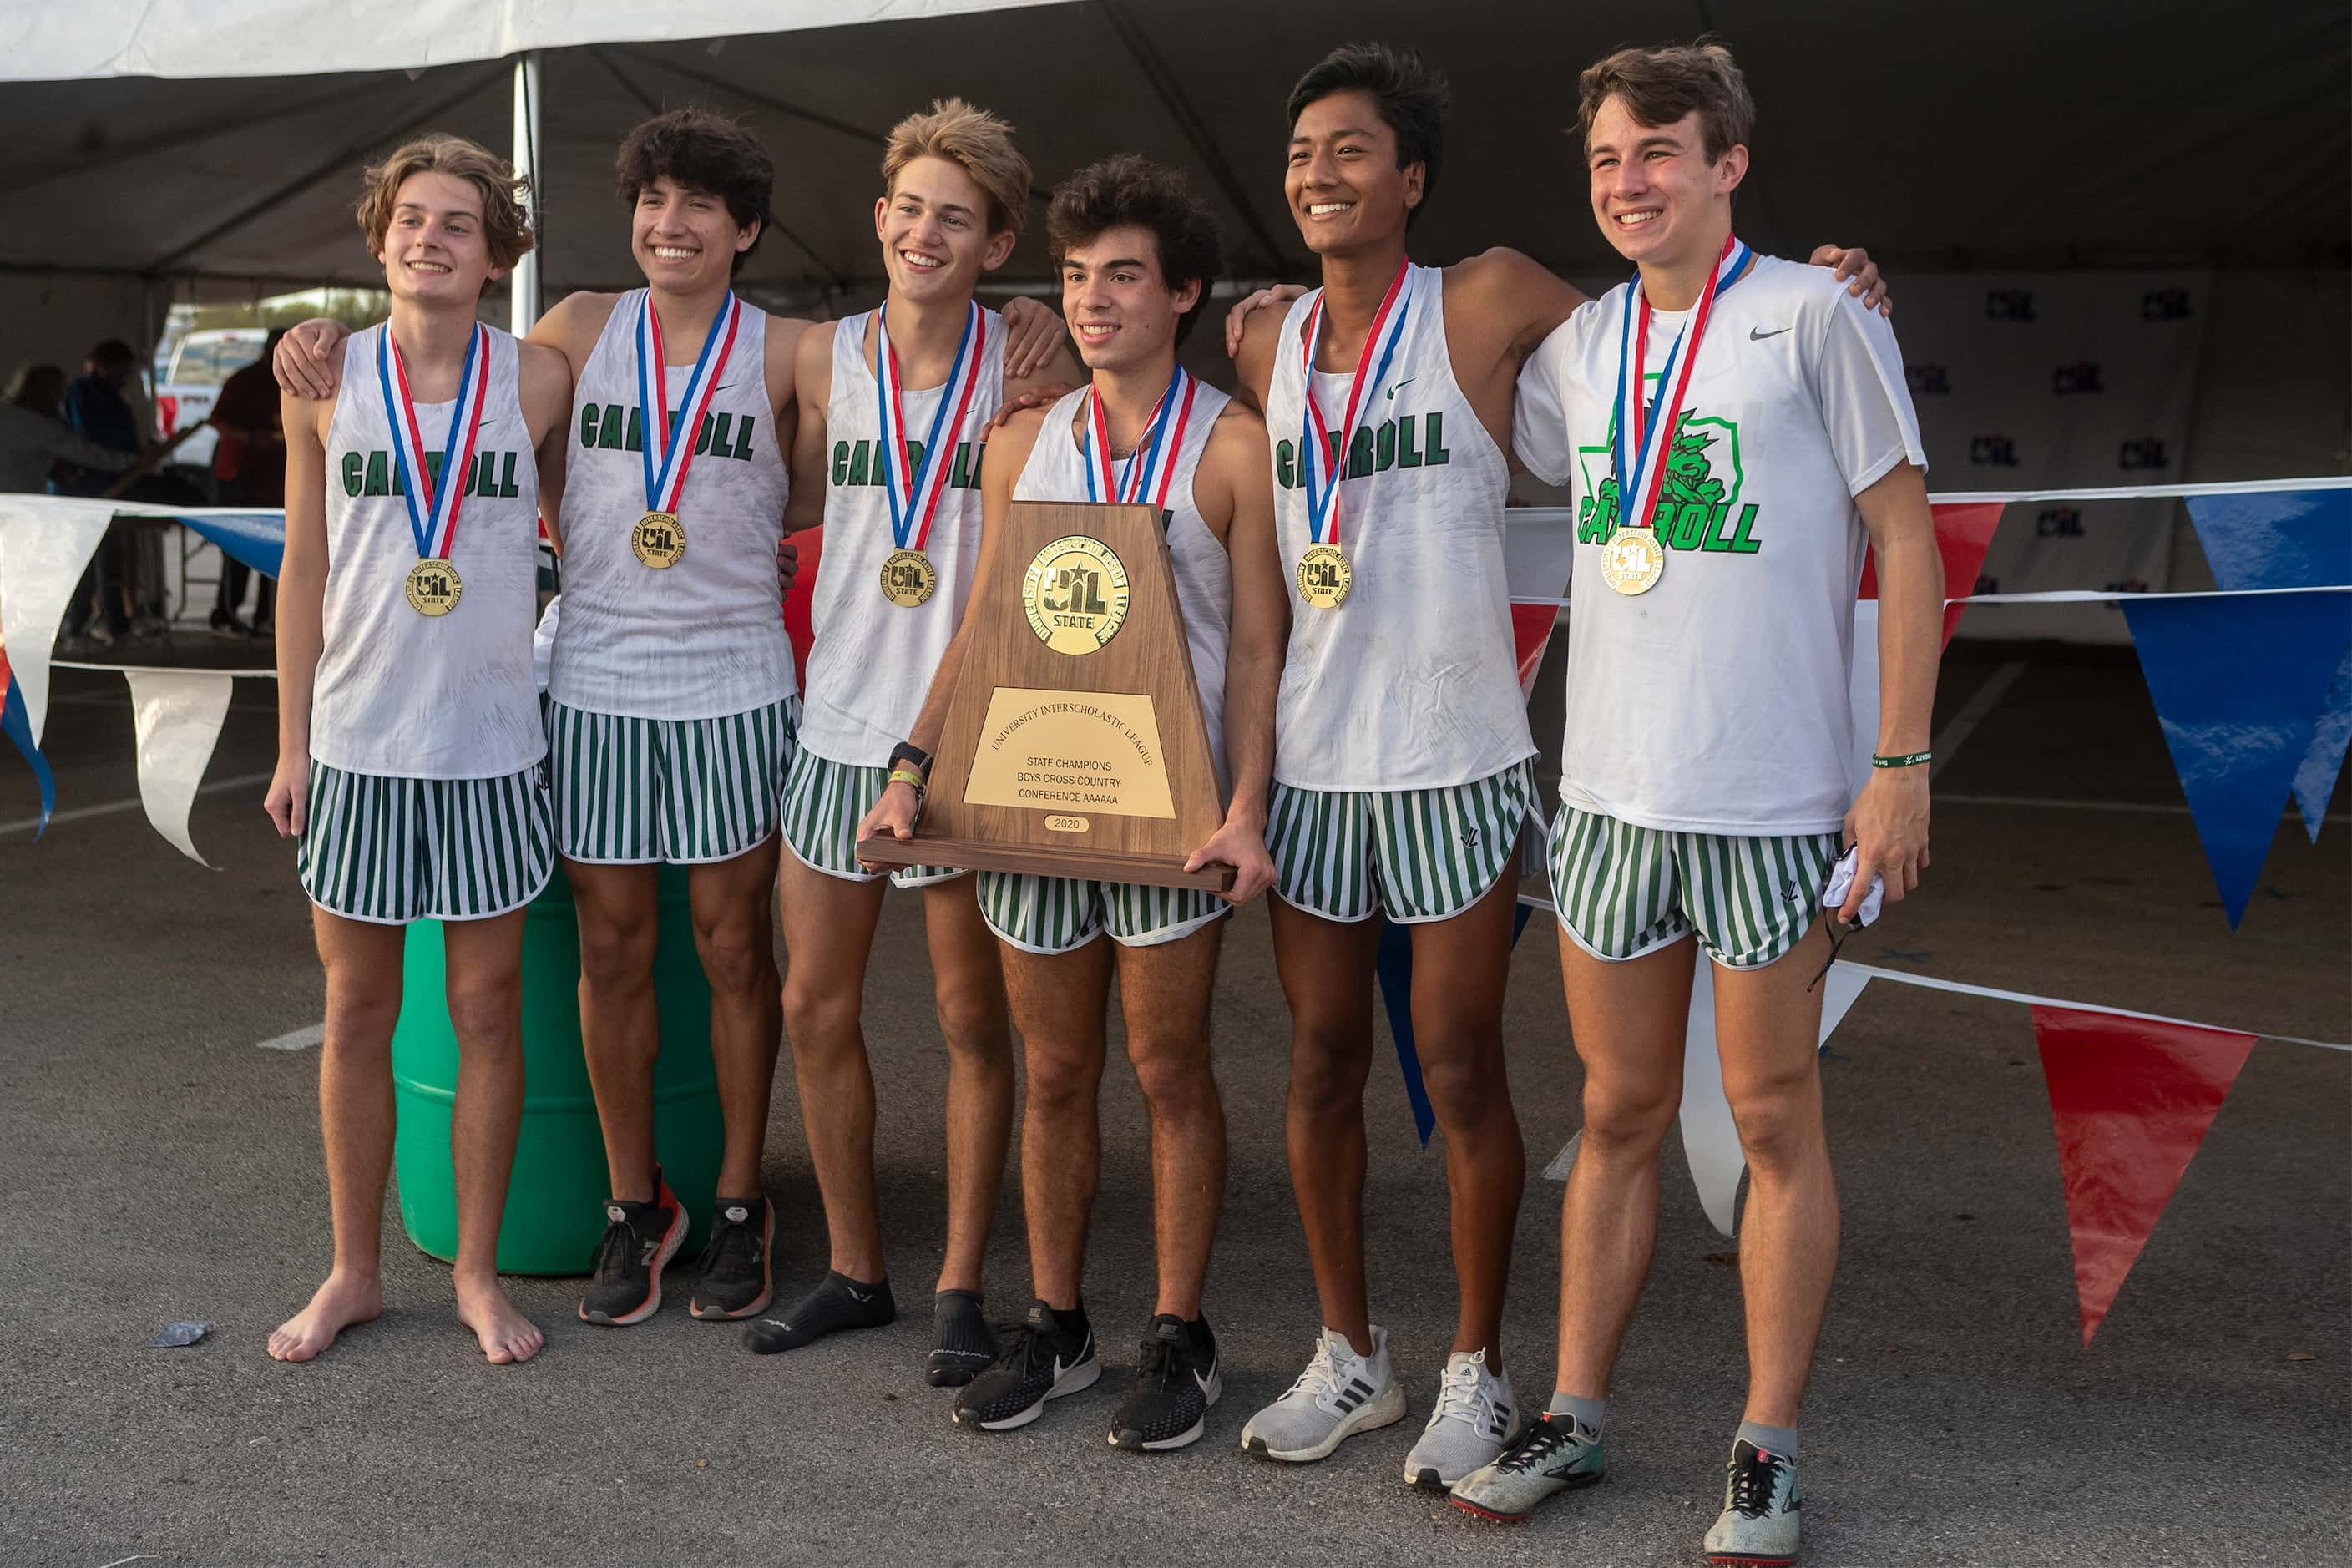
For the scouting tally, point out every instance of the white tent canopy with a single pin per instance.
(2011, 134)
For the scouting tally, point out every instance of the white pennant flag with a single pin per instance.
(1710, 1138)
(177, 714)
(44, 544)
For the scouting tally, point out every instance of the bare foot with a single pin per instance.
(342, 1300)
(506, 1334)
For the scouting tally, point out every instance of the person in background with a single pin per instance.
(96, 409)
(34, 438)
(249, 462)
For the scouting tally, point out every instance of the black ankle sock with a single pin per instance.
(838, 1302)
(962, 1328)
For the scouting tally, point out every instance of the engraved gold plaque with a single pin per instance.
(1095, 750)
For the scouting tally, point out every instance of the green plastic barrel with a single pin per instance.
(555, 1201)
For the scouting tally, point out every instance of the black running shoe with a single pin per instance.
(1049, 1355)
(736, 1279)
(838, 1302)
(963, 1343)
(1176, 1380)
(639, 1241)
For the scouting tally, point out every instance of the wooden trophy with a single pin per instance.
(1075, 745)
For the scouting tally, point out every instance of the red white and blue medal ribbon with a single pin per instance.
(914, 490)
(433, 497)
(1155, 457)
(668, 448)
(1644, 433)
(1316, 448)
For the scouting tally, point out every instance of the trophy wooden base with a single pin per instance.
(1151, 872)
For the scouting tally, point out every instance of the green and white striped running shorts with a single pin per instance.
(1624, 890)
(632, 791)
(1058, 914)
(1418, 854)
(391, 850)
(824, 801)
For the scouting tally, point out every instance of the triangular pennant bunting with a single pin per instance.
(1964, 531)
(176, 714)
(2238, 684)
(2131, 1099)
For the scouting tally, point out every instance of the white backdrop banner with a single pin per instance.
(2057, 381)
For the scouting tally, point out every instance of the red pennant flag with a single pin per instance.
(2131, 1099)
(1964, 531)
(798, 603)
(1531, 627)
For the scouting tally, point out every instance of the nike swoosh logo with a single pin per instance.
(857, 1295)
(1400, 385)
(1758, 334)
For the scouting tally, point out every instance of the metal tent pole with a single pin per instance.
(523, 287)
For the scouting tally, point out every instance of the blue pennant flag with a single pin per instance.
(257, 539)
(2290, 539)
(1394, 967)
(19, 726)
(2238, 684)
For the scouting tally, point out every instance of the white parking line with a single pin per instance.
(300, 1040)
(80, 813)
(1962, 724)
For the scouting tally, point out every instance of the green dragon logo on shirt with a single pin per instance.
(1698, 503)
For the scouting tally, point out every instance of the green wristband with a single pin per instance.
(1907, 759)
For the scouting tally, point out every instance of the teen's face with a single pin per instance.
(1119, 310)
(434, 250)
(684, 240)
(1654, 192)
(933, 227)
(1344, 186)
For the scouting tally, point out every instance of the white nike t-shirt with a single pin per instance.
(1718, 701)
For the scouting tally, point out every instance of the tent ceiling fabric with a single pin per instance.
(2030, 135)
(47, 40)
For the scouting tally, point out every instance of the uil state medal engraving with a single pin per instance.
(909, 578)
(433, 587)
(1076, 593)
(658, 539)
(1632, 560)
(1325, 576)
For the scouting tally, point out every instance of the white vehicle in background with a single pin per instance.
(187, 390)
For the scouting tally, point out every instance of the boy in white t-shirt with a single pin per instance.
(1736, 431)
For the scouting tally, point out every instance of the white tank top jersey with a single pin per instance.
(1411, 682)
(401, 694)
(1056, 471)
(704, 638)
(871, 662)
(1718, 701)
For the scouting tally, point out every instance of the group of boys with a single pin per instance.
(1335, 530)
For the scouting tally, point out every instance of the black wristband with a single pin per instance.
(914, 756)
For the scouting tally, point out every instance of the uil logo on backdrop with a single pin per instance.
(2009, 305)
(1699, 507)
(1929, 379)
(2149, 452)
(1994, 451)
(2072, 379)
(2165, 305)
(1076, 593)
(2059, 522)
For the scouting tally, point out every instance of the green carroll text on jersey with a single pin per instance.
(859, 463)
(615, 427)
(375, 474)
(1698, 503)
(1407, 441)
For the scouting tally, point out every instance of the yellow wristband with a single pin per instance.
(908, 776)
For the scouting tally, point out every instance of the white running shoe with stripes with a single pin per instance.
(1472, 1423)
(1340, 1395)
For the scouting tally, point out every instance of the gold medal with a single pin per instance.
(1632, 560)
(659, 539)
(433, 587)
(1325, 576)
(909, 578)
